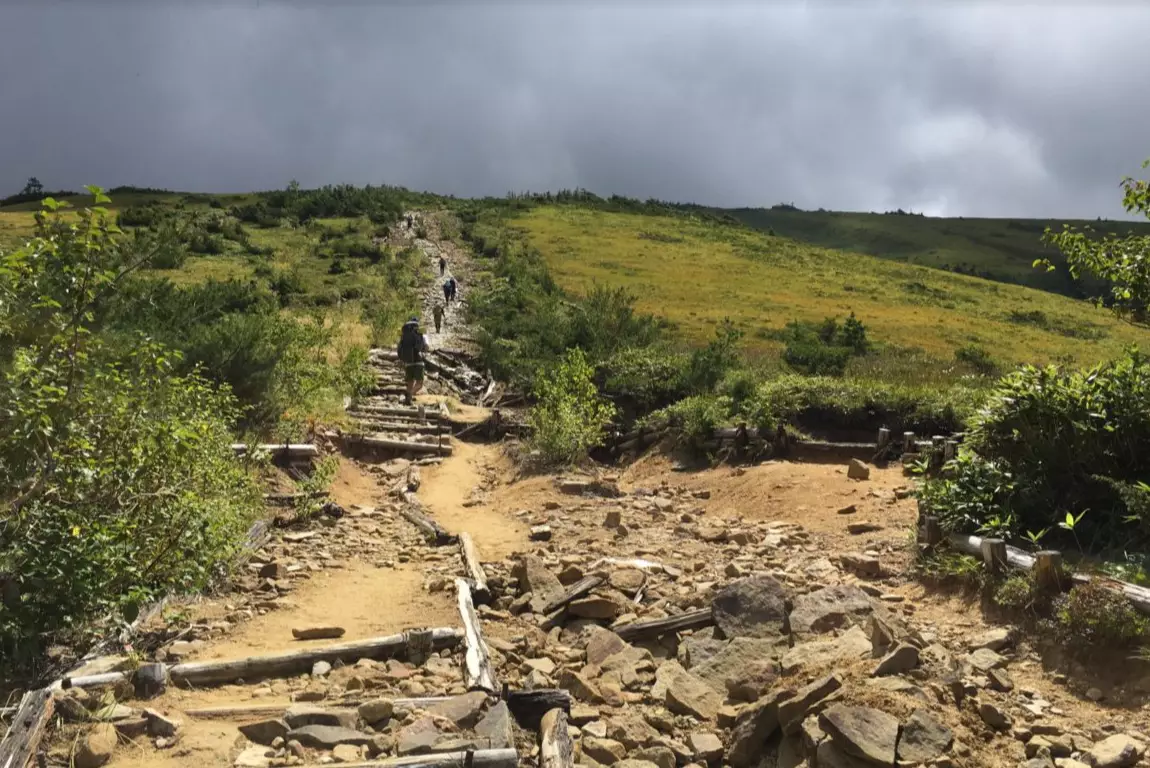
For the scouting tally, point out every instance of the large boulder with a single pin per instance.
(752, 607)
(852, 644)
(923, 738)
(688, 695)
(870, 734)
(1117, 751)
(829, 608)
(746, 665)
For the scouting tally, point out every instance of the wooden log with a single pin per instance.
(280, 664)
(883, 438)
(473, 568)
(529, 707)
(441, 447)
(287, 499)
(378, 427)
(949, 450)
(387, 410)
(477, 670)
(994, 556)
(555, 747)
(1048, 571)
(656, 627)
(295, 450)
(479, 758)
(908, 442)
(23, 738)
(243, 711)
(931, 534)
(413, 512)
(573, 593)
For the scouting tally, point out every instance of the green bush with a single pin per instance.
(642, 379)
(569, 414)
(824, 349)
(977, 358)
(1093, 617)
(695, 417)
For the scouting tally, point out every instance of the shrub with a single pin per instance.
(642, 379)
(977, 358)
(569, 414)
(709, 365)
(1015, 593)
(287, 285)
(1093, 617)
(825, 349)
(696, 417)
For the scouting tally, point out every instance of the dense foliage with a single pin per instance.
(569, 414)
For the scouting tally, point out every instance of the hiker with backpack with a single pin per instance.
(447, 290)
(453, 285)
(412, 346)
(437, 313)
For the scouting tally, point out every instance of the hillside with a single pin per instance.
(697, 273)
(1003, 250)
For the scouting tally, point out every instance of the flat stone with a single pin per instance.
(850, 509)
(495, 729)
(902, 659)
(605, 751)
(752, 607)
(317, 633)
(581, 714)
(688, 695)
(595, 608)
(160, 724)
(999, 680)
(540, 533)
(985, 660)
(463, 710)
(993, 716)
(299, 715)
(252, 756)
(602, 643)
(857, 470)
(580, 686)
(993, 639)
(862, 564)
(831, 755)
(696, 649)
(706, 747)
(738, 660)
(418, 738)
(628, 581)
(923, 738)
(96, 747)
(870, 734)
(830, 608)
(328, 736)
(534, 577)
(661, 757)
(755, 724)
(265, 731)
(665, 674)
(1117, 751)
(795, 709)
(346, 753)
(378, 710)
(631, 730)
(852, 644)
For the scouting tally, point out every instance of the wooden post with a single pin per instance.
(23, 737)
(936, 447)
(949, 450)
(555, 747)
(529, 707)
(908, 442)
(931, 534)
(477, 671)
(994, 556)
(420, 645)
(883, 438)
(1048, 570)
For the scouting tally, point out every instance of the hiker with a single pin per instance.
(411, 347)
(447, 290)
(442, 265)
(410, 223)
(454, 285)
(437, 313)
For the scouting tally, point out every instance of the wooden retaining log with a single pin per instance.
(477, 671)
(413, 512)
(241, 711)
(441, 447)
(276, 665)
(655, 627)
(555, 747)
(22, 741)
(294, 450)
(474, 570)
(573, 593)
(479, 758)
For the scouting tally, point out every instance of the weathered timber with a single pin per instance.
(555, 747)
(573, 593)
(295, 450)
(994, 555)
(529, 707)
(479, 758)
(655, 627)
(287, 499)
(23, 738)
(413, 512)
(477, 670)
(473, 568)
(242, 711)
(280, 664)
(378, 427)
(387, 410)
(441, 447)
(1048, 571)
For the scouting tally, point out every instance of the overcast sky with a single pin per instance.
(1006, 109)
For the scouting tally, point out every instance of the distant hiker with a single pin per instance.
(454, 286)
(437, 313)
(411, 347)
(442, 265)
(447, 290)
(410, 222)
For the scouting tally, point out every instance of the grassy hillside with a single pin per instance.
(997, 249)
(698, 273)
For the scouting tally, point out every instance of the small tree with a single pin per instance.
(569, 414)
(1123, 263)
(33, 187)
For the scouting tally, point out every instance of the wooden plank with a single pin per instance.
(300, 450)
(433, 531)
(477, 670)
(22, 740)
(655, 627)
(441, 447)
(241, 711)
(555, 747)
(573, 593)
(479, 758)
(473, 568)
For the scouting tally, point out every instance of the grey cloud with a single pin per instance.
(963, 109)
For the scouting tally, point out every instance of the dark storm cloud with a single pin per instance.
(960, 109)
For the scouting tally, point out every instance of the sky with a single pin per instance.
(942, 107)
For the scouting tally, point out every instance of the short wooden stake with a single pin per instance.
(883, 438)
(994, 555)
(908, 442)
(1048, 570)
(931, 531)
(949, 450)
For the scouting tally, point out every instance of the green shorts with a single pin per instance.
(413, 372)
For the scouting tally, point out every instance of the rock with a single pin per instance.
(317, 633)
(604, 751)
(161, 725)
(985, 660)
(580, 686)
(1095, 694)
(993, 639)
(862, 564)
(662, 757)
(863, 526)
(752, 607)
(595, 607)
(999, 680)
(828, 754)
(850, 509)
(253, 756)
(602, 643)
(829, 608)
(346, 753)
(495, 728)
(570, 575)
(97, 747)
(542, 665)
(631, 762)
(1117, 751)
(628, 581)
(735, 662)
(706, 747)
(857, 470)
(993, 716)
(696, 649)
(613, 519)
(923, 738)
(265, 731)
(902, 659)
(132, 729)
(631, 731)
(419, 737)
(320, 669)
(372, 712)
(328, 736)
(852, 644)
(795, 709)
(534, 577)
(463, 710)
(754, 726)
(862, 732)
(667, 673)
(299, 715)
(540, 533)
(688, 695)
